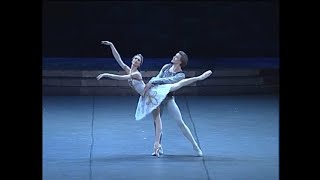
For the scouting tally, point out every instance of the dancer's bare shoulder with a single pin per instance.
(136, 75)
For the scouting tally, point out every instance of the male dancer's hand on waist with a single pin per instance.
(147, 87)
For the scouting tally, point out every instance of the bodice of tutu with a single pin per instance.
(137, 85)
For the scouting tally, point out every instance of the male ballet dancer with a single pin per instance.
(169, 74)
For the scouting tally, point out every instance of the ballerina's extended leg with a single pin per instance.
(188, 81)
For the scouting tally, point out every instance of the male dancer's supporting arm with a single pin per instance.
(164, 80)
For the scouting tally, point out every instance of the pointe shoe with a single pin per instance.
(198, 151)
(205, 75)
(157, 149)
(160, 151)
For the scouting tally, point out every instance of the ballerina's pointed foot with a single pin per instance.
(205, 75)
(198, 151)
(157, 150)
(160, 152)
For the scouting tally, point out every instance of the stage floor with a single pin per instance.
(97, 138)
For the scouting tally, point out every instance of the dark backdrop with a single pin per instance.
(202, 29)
